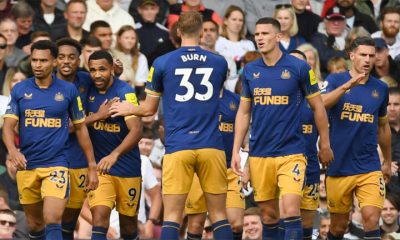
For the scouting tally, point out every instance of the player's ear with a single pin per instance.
(278, 36)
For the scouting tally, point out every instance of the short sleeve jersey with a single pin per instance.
(43, 115)
(189, 80)
(228, 105)
(310, 135)
(276, 94)
(354, 125)
(106, 135)
(76, 157)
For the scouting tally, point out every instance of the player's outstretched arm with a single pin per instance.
(325, 154)
(17, 158)
(82, 135)
(148, 108)
(135, 126)
(384, 141)
(331, 98)
(242, 123)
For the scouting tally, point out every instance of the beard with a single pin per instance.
(390, 32)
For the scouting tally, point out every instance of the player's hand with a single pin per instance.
(246, 177)
(354, 81)
(395, 167)
(121, 109)
(118, 67)
(235, 164)
(104, 110)
(105, 164)
(325, 156)
(148, 230)
(92, 181)
(18, 160)
(387, 172)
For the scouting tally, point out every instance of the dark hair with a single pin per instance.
(46, 45)
(8, 212)
(394, 200)
(98, 24)
(300, 53)
(101, 55)
(368, 41)
(394, 91)
(91, 41)
(37, 34)
(76, 1)
(267, 20)
(147, 133)
(70, 42)
(213, 22)
(388, 10)
(22, 10)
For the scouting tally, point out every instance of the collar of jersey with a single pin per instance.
(54, 79)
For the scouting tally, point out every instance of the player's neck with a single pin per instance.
(190, 42)
(271, 58)
(44, 82)
(70, 78)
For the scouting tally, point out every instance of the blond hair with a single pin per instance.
(190, 23)
(294, 29)
(308, 47)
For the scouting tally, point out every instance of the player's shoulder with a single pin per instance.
(122, 86)
(378, 83)
(27, 83)
(64, 84)
(338, 78)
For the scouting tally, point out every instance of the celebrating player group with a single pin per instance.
(79, 135)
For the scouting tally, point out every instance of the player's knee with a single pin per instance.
(338, 229)
(128, 226)
(195, 227)
(236, 227)
(52, 218)
(35, 224)
(371, 222)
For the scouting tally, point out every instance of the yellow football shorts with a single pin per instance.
(310, 200)
(36, 184)
(369, 188)
(121, 192)
(208, 163)
(273, 177)
(77, 187)
(196, 203)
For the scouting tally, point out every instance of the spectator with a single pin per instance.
(191, 5)
(8, 221)
(312, 60)
(50, 19)
(151, 33)
(173, 42)
(355, 18)
(102, 31)
(390, 24)
(36, 36)
(135, 63)
(208, 41)
(354, 33)
(337, 65)
(21, 231)
(161, 17)
(109, 12)
(384, 63)
(390, 215)
(374, 8)
(322, 191)
(256, 9)
(330, 41)
(247, 57)
(232, 42)
(13, 76)
(3, 65)
(252, 225)
(23, 14)
(286, 16)
(89, 46)
(8, 27)
(75, 14)
(324, 223)
(150, 187)
(307, 21)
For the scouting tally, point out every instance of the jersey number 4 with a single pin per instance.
(205, 81)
